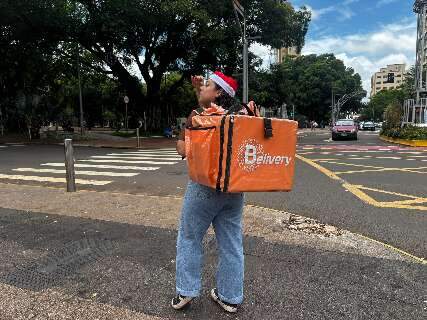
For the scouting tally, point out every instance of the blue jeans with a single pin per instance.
(203, 206)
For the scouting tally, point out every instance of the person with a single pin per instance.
(204, 206)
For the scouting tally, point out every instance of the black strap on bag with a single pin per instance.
(229, 154)
(268, 128)
(250, 112)
(221, 153)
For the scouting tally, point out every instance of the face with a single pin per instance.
(208, 93)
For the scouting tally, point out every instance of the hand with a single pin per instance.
(180, 148)
(197, 82)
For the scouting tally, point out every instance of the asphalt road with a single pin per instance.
(380, 190)
(132, 266)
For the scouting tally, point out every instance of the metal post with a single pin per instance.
(137, 138)
(126, 122)
(1, 123)
(69, 165)
(333, 108)
(80, 90)
(245, 63)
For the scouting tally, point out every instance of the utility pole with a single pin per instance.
(245, 63)
(239, 10)
(80, 90)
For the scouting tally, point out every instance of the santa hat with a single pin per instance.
(227, 83)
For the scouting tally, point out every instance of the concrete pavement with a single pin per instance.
(106, 255)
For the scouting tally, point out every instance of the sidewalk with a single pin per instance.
(101, 255)
(100, 140)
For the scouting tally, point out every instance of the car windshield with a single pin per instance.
(344, 123)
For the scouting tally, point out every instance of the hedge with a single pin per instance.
(407, 133)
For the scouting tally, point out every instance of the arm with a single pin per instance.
(180, 148)
(197, 82)
(180, 145)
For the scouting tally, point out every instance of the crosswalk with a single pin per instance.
(9, 145)
(99, 170)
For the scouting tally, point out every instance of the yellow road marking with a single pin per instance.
(418, 259)
(357, 189)
(325, 171)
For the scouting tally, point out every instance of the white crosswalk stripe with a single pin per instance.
(100, 166)
(117, 165)
(50, 179)
(128, 161)
(80, 172)
(153, 151)
(137, 158)
(135, 154)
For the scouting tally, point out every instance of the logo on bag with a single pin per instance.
(251, 155)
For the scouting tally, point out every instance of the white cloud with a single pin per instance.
(385, 2)
(367, 53)
(342, 10)
(317, 13)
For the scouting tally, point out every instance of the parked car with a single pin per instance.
(368, 126)
(345, 129)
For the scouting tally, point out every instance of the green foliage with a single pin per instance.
(392, 116)
(182, 37)
(374, 110)
(407, 133)
(307, 83)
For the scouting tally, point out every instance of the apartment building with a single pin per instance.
(388, 78)
(282, 53)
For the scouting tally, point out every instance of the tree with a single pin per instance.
(159, 37)
(375, 108)
(307, 83)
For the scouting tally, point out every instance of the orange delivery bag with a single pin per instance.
(240, 153)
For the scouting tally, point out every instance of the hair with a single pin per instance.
(226, 101)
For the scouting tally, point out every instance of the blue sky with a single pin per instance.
(365, 34)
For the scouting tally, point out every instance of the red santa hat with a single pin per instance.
(227, 83)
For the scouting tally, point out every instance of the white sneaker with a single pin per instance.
(232, 308)
(180, 302)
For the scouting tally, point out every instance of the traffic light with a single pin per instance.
(390, 78)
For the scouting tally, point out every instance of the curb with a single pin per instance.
(412, 143)
(82, 145)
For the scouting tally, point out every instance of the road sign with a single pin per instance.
(126, 99)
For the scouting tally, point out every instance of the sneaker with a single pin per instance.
(180, 302)
(232, 308)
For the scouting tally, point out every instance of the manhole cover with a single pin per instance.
(52, 269)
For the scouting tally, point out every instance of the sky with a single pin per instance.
(365, 34)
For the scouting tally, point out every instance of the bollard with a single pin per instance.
(137, 138)
(69, 165)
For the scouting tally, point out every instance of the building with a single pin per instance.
(282, 53)
(415, 110)
(388, 78)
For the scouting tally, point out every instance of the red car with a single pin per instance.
(345, 129)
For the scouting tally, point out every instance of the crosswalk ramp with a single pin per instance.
(99, 170)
